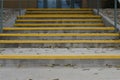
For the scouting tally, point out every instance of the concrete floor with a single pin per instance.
(59, 73)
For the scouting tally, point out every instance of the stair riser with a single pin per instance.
(69, 45)
(60, 38)
(57, 63)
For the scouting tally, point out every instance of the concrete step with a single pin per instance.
(59, 36)
(59, 12)
(59, 25)
(58, 30)
(60, 21)
(46, 57)
(59, 9)
(58, 41)
(59, 17)
(62, 57)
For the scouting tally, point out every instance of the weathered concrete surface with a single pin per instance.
(59, 73)
(35, 51)
(64, 51)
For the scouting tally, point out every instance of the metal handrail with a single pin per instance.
(20, 6)
(98, 6)
(115, 12)
(1, 16)
(115, 15)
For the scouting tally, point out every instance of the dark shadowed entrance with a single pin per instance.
(59, 3)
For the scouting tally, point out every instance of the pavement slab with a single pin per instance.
(59, 73)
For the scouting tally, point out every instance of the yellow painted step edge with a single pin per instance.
(59, 34)
(34, 9)
(59, 12)
(97, 20)
(82, 56)
(62, 28)
(45, 16)
(60, 15)
(58, 41)
(52, 25)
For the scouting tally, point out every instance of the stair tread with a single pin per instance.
(59, 12)
(59, 15)
(99, 20)
(52, 25)
(57, 9)
(59, 34)
(62, 28)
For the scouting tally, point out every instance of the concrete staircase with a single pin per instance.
(69, 29)
(59, 28)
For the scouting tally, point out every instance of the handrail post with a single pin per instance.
(45, 3)
(115, 15)
(72, 2)
(20, 6)
(98, 6)
(1, 16)
(58, 3)
(28, 3)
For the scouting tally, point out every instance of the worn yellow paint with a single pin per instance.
(59, 34)
(58, 9)
(60, 25)
(61, 28)
(40, 21)
(60, 16)
(54, 56)
(59, 12)
(58, 41)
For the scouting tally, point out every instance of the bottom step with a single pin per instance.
(99, 60)
(59, 57)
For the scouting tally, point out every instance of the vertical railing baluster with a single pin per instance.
(28, 3)
(1, 16)
(58, 3)
(115, 15)
(72, 3)
(45, 3)
(98, 6)
(20, 7)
